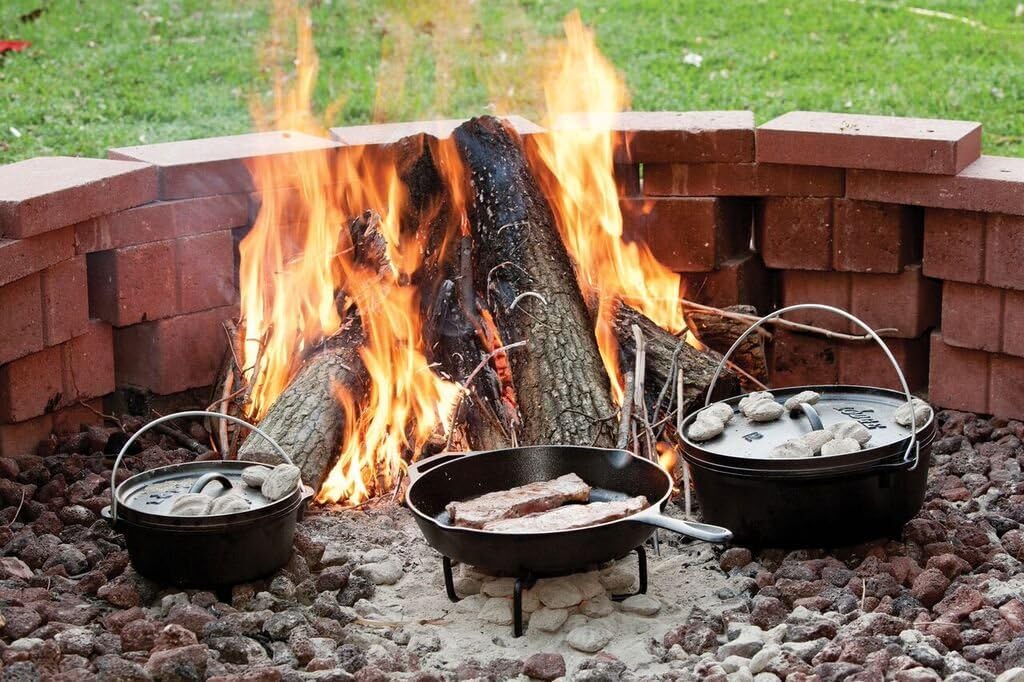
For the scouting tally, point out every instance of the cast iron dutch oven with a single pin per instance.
(203, 551)
(612, 474)
(821, 500)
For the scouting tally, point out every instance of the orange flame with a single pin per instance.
(296, 261)
(583, 94)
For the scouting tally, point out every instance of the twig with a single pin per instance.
(798, 326)
(680, 391)
(526, 294)
(626, 414)
(108, 417)
(490, 356)
(183, 438)
(744, 373)
(18, 510)
(397, 623)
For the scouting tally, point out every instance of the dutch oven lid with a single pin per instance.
(153, 492)
(148, 496)
(873, 408)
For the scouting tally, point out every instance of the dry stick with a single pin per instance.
(182, 438)
(108, 417)
(679, 439)
(638, 401)
(798, 326)
(18, 510)
(627, 410)
(739, 370)
(468, 380)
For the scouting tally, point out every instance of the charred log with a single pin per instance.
(666, 355)
(522, 267)
(452, 328)
(306, 420)
(719, 333)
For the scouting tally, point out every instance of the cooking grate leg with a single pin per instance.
(641, 565)
(449, 581)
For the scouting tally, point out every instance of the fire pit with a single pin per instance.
(373, 296)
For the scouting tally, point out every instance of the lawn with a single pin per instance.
(110, 73)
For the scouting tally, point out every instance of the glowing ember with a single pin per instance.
(583, 93)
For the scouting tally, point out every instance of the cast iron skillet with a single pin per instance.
(612, 474)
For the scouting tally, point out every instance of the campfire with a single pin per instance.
(467, 290)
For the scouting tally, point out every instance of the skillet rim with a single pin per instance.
(540, 533)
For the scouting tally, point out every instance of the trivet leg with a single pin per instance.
(449, 581)
(517, 603)
(641, 564)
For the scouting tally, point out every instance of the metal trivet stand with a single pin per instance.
(527, 581)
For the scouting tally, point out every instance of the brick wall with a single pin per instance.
(118, 272)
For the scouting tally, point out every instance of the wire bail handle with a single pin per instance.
(913, 446)
(177, 415)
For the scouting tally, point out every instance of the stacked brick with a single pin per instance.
(55, 360)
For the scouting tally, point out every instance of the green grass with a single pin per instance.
(112, 73)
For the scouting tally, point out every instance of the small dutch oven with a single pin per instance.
(821, 500)
(203, 551)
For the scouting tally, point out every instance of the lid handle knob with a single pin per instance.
(913, 447)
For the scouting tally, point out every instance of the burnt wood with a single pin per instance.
(719, 333)
(306, 420)
(522, 267)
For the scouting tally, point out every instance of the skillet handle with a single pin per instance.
(701, 531)
(422, 466)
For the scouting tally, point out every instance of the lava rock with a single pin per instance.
(544, 666)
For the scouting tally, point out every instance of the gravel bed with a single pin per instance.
(362, 597)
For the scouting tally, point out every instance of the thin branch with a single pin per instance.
(797, 326)
(680, 390)
(490, 356)
(525, 294)
(627, 410)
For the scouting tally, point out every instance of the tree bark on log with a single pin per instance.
(661, 346)
(522, 267)
(306, 420)
(719, 333)
(448, 301)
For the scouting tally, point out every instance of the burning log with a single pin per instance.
(453, 329)
(307, 420)
(719, 333)
(666, 355)
(522, 266)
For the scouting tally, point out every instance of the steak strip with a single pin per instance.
(570, 516)
(527, 499)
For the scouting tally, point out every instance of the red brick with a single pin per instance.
(22, 257)
(958, 378)
(218, 165)
(872, 237)
(864, 363)
(46, 193)
(888, 143)
(826, 288)
(65, 301)
(802, 360)
(907, 302)
(954, 245)
(627, 179)
(1004, 251)
(740, 280)
(795, 233)
(972, 316)
(1006, 386)
(87, 364)
(1013, 323)
(205, 271)
(133, 284)
(21, 322)
(692, 234)
(389, 133)
(30, 385)
(163, 220)
(992, 184)
(22, 438)
(171, 355)
(674, 136)
(741, 179)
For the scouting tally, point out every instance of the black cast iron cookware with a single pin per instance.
(209, 550)
(613, 474)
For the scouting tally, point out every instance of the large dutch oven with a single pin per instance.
(821, 500)
(203, 551)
